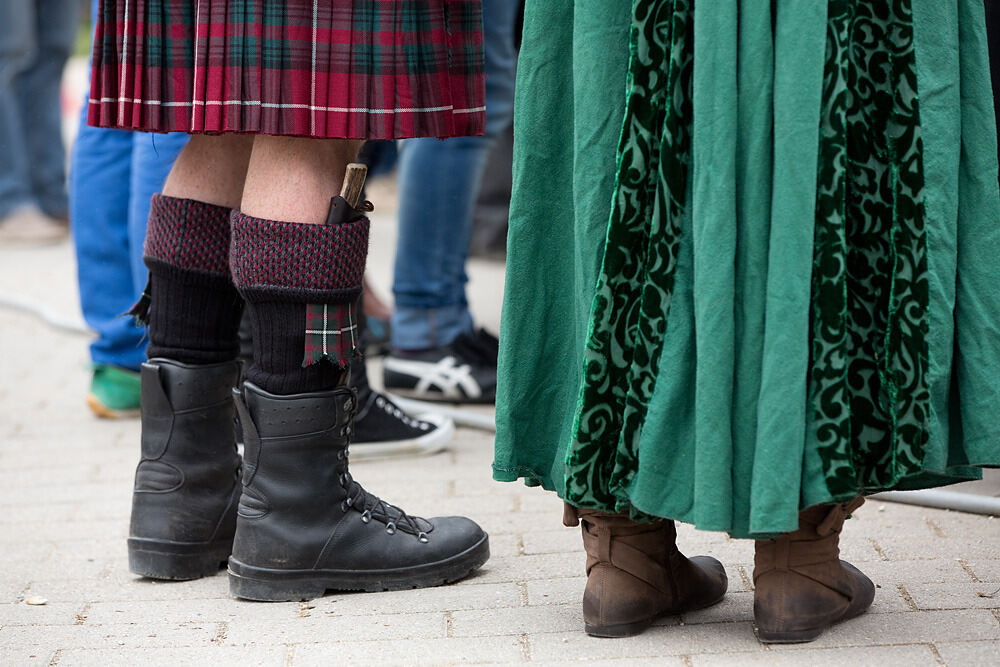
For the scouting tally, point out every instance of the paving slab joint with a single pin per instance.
(81, 617)
(449, 624)
(935, 528)
(525, 643)
(878, 549)
(221, 632)
(905, 594)
(964, 564)
(747, 581)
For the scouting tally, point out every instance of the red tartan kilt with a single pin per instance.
(350, 69)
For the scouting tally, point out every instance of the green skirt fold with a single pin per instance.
(750, 256)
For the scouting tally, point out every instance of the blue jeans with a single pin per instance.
(113, 175)
(36, 37)
(438, 186)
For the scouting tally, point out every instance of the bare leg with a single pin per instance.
(211, 169)
(293, 179)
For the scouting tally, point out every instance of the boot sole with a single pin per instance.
(810, 634)
(274, 585)
(802, 636)
(629, 629)
(176, 561)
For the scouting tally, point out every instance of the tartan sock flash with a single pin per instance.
(301, 283)
(193, 310)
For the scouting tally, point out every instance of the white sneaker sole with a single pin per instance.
(474, 416)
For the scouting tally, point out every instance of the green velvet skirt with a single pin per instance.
(754, 256)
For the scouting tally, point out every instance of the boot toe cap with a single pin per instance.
(455, 533)
(864, 591)
(712, 582)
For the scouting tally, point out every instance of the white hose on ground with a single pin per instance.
(943, 499)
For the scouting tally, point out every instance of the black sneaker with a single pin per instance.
(464, 371)
(382, 429)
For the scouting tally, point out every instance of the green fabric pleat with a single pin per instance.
(774, 487)
(738, 285)
(565, 218)
(632, 302)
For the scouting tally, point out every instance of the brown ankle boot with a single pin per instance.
(801, 585)
(635, 573)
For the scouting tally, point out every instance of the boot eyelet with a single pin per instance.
(343, 480)
(349, 502)
(422, 536)
(390, 528)
(340, 455)
(366, 516)
(343, 507)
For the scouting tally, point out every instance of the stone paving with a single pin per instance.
(65, 479)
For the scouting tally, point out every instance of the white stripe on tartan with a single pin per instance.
(351, 327)
(312, 91)
(197, 37)
(274, 105)
(333, 332)
(121, 112)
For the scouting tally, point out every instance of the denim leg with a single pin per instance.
(17, 49)
(100, 171)
(38, 97)
(438, 185)
(152, 157)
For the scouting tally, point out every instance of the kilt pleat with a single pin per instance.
(358, 69)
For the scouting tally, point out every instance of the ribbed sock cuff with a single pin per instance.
(301, 283)
(278, 344)
(194, 317)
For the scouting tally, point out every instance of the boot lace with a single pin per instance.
(372, 507)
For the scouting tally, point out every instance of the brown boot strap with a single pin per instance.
(635, 562)
(835, 580)
(834, 520)
(571, 516)
(787, 554)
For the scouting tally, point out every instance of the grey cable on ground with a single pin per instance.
(50, 316)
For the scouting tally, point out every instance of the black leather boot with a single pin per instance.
(305, 526)
(187, 483)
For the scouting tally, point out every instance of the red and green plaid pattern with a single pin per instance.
(359, 69)
(331, 333)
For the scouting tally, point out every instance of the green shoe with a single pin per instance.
(114, 392)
